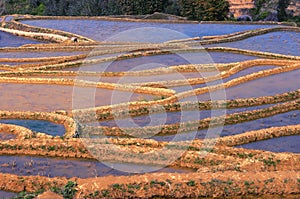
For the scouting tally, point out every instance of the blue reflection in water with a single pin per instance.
(39, 126)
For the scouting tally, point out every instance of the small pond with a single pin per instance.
(39, 126)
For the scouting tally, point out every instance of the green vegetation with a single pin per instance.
(191, 183)
(263, 15)
(263, 10)
(201, 10)
(25, 195)
(295, 19)
(258, 5)
(270, 180)
(245, 155)
(68, 191)
(34, 7)
(204, 10)
(192, 9)
(282, 5)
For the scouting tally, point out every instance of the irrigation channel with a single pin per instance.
(148, 108)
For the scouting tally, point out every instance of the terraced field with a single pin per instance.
(135, 108)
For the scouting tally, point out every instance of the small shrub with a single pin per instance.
(105, 193)
(191, 183)
(69, 190)
(269, 180)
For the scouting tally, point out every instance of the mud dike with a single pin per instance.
(224, 171)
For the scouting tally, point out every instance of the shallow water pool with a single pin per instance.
(7, 194)
(102, 30)
(284, 119)
(7, 136)
(54, 167)
(9, 40)
(281, 144)
(287, 43)
(39, 126)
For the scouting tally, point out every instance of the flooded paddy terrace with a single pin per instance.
(156, 106)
